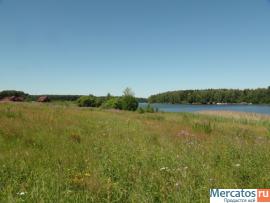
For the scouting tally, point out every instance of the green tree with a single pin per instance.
(128, 92)
(108, 96)
(86, 101)
(128, 100)
(9, 93)
(112, 103)
(256, 96)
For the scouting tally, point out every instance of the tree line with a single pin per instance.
(28, 97)
(10, 93)
(125, 102)
(213, 96)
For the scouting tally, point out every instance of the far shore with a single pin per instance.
(219, 104)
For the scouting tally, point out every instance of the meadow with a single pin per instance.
(63, 153)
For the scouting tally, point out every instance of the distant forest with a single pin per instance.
(28, 97)
(213, 96)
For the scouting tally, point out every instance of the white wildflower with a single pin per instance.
(164, 169)
(68, 192)
(21, 193)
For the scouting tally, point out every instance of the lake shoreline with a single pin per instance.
(213, 104)
(247, 108)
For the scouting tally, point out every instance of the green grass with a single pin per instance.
(61, 153)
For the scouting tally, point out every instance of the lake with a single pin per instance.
(262, 109)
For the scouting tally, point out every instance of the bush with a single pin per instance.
(86, 101)
(141, 110)
(99, 101)
(112, 103)
(126, 102)
(148, 109)
(129, 103)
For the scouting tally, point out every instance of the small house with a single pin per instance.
(43, 99)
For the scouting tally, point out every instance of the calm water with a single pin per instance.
(263, 109)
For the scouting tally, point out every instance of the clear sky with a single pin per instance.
(101, 46)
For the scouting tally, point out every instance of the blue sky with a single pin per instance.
(101, 46)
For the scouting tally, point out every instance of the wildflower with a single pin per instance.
(68, 192)
(87, 174)
(21, 193)
(164, 169)
(237, 165)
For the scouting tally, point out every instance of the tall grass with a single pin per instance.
(55, 153)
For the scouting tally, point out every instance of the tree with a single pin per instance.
(112, 103)
(99, 101)
(128, 101)
(9, 93)
(128, 92)
(256, 96)
(86, 101)
(108, 96)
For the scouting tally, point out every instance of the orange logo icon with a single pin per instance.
(263, 195)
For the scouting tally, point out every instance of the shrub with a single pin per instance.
(141, 110)
(112, 103)
(86, 101)
(149, 109)
(99, 101)
(129, 103)
(204, 126)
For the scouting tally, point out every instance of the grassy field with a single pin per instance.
(61, 153)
